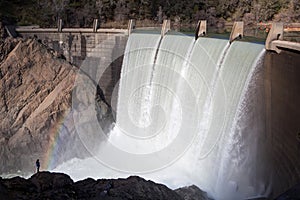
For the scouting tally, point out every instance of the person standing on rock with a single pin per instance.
(37, 164)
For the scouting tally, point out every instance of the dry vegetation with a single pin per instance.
(80, 13)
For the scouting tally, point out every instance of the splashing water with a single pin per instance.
(185, 116)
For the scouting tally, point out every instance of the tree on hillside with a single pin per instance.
(225, 8)
(59, 7)
(268, 9)
(82, 12)
(290, 11)
(121, 11)
(243, 7)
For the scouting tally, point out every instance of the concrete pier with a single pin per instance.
(275, 40)
(95, 25)
(276, 33)
(237, 31)
(201, 29)
(166, 26)
(60, 25)
(280, 44)
(131, 26)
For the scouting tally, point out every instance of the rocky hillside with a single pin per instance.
(35, 100)
(115, 13)
(46, 185)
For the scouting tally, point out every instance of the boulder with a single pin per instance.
(136, 187)
(192, 193)
(17, 187)
(44, 181)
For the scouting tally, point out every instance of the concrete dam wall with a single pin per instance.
(282, 85)
(79, 46)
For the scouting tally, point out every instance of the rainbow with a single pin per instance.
(55, 144)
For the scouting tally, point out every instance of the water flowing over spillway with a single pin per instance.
(189, 112)
(199, 91)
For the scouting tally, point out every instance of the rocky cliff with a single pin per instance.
(46, 185)
(35, 101)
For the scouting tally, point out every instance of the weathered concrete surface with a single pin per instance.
(283, 117)
(276, 33)
(280, 44)
(165, 27)
(75, 45)
(237, 31)
(81, 48)
(201, 29)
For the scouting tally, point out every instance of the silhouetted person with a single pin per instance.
(37, 164)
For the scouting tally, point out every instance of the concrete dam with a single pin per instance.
(106, 46)
(220, 114)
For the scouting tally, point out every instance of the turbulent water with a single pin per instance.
(188, 112)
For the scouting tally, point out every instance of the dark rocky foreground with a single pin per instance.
(46, 185)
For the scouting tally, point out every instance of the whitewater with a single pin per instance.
(188, 112)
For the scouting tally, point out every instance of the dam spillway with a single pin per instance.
(160, 97)
(200, 88)
(202, 110)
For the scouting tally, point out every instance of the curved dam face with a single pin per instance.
(221, 116)
(282, 85)
(195, 104)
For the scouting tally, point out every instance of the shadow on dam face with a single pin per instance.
(282, 87)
